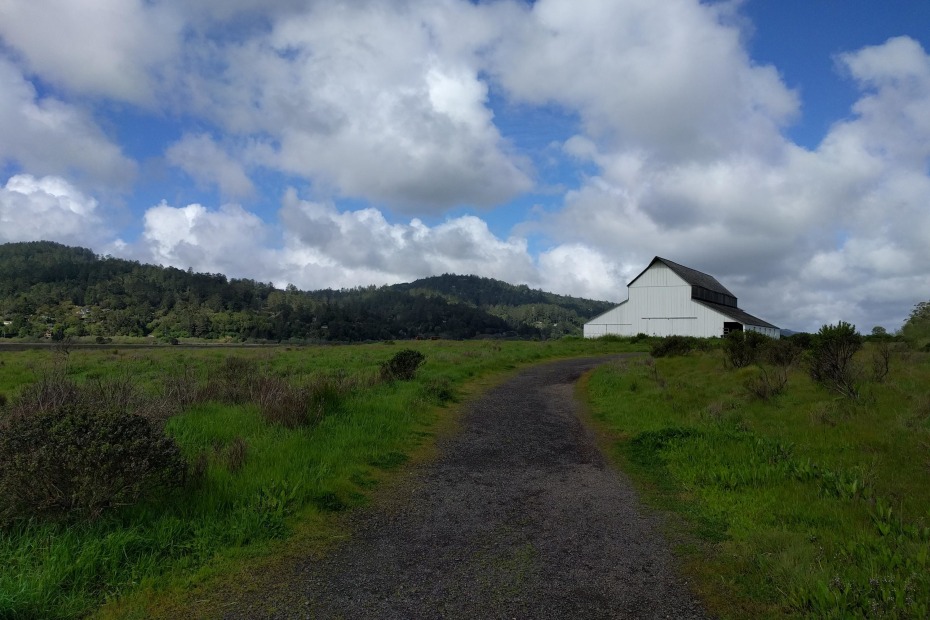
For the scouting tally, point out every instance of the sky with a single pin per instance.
(782, 146)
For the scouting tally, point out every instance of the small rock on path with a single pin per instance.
(519, 517)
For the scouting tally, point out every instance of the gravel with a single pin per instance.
(518, 517)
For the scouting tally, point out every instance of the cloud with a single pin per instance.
(380, 101)
(227, 240)
(322, 247)
(202, 158)
(49, 208)
(109, 48)
(48, 136)
(803, 236)
(360, 244)
(669, 78)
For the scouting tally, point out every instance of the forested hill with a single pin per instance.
(51, 290)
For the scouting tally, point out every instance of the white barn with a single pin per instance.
(668, 299)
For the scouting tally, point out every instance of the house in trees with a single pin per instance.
(669, 299)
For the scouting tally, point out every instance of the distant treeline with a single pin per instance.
(56, 291)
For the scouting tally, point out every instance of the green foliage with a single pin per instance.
(69, 453)
(802, 339)
(672, 346)
(831, 359)
(68, 292)
(742, 348)
(402, 366)
(916, 330)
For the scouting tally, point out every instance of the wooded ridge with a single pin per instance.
(49, 290)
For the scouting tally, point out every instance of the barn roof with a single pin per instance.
(740, 316)
(691, 276)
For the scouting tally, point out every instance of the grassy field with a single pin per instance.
(261, 483)
(802, 505)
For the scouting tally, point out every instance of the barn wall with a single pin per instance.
(660, 304)
(611, 322)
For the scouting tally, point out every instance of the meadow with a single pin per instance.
(278, 443)
(805, 503)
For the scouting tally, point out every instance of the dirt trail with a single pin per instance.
(519, 517)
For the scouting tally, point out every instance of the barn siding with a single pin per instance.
(660, 304)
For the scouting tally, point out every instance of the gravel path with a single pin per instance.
(519, 517)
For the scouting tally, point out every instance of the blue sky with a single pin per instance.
(782, 146)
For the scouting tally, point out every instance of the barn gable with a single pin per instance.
(667, 298)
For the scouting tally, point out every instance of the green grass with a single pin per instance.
(283, 483)
(804, 505)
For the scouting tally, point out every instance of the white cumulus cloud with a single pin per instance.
(49, 208)
(46, 135)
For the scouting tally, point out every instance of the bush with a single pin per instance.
(831, 358)
(403, 366)
(740, 349)
(802, 339)
(671, 346)
(77, 460)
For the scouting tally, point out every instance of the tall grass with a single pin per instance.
(261, 473)
(800, 504)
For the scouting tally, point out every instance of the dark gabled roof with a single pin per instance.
(691, 276)
(736, 314)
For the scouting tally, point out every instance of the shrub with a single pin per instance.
(831, 358)
(802, 339)
(281, 403)
(77, 460)
(782, 353)
(916, 330)
(671, 346)
(403, 366)
(233, 383)
(740, 349)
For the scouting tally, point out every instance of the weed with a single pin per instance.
(766, 383)
(439, 391)
(881, 360)
(236, 454)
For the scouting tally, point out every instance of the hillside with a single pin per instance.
(49, 289)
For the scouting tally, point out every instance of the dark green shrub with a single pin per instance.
(403, 366)
(801, 339)
(831, 358)
(672, 346)
(638, 337)
(78, 461)
(782, 353)
(740, 349)
(916, 330)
